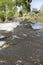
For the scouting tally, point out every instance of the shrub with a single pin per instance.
(10, 15)
(20, 13)
(2, 16)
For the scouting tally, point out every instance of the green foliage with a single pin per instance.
(24, 3)
(7, 6)
(10, 15)
(2, 16)
(20, 13)
(11, 7)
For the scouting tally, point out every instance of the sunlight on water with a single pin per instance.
(37, 25)
(2, 42)
(1, 36)
(8, 26)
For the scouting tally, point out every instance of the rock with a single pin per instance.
(5, 46)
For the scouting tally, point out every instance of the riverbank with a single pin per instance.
(31, 16)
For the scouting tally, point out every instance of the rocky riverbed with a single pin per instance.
(23, 47)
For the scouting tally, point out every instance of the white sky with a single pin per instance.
(36, 4)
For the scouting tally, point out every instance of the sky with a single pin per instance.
(36, 4)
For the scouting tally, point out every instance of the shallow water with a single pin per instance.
(25, 46)
(37, 25)
(8, 26)
(19, 27)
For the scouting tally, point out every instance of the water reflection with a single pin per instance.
(37, 25)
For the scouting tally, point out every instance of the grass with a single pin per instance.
(35, 17)
(30, 16)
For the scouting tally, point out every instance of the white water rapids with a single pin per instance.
(8, 27)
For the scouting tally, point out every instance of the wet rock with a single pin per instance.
(28, 64)
(5, 46)
(19, 62)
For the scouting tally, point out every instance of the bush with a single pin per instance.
(20, 13)
(2, 16)
(10, 15)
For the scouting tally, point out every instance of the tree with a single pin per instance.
(11, 4)
(7, 6)
(24, 3)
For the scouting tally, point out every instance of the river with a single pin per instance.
(7, 27)
(24, 46)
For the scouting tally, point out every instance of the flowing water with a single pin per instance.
(37, 25)
(7, 27)
(24, 46)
